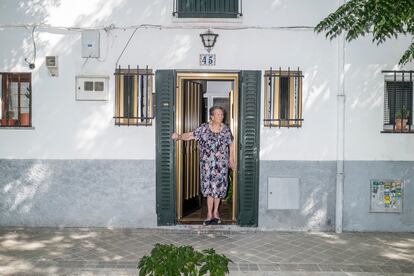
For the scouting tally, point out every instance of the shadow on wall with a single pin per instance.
(68, 129)
(317, 207)
(91, 129)
(365, 103)
(88, 127)
(316, 195)
(364, 88)
(77, 193)
(364, 85)
(87, 132)
(30, 190)
(318, 104)
(18, 195)
(20, 12)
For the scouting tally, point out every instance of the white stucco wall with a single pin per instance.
(68, 129)
(364, 85)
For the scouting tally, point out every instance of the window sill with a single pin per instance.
(17, 127)
(390, 131)
(206, 20)
(276, 126)
(130, 125)
(133, 124)
(283, 123)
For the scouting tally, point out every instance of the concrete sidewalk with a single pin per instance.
(99, 251)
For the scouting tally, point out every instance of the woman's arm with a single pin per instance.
(185, 136)
(232, 164)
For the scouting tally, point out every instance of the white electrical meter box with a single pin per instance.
(52, 65)
(92, 88)
(283, 193)
(90, 44)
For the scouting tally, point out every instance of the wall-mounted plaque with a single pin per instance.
(207, 59)
(386, 196)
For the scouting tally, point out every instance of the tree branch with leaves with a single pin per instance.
(385, 19)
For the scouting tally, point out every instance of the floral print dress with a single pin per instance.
(214, 159)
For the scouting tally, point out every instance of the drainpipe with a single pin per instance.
(340, 135)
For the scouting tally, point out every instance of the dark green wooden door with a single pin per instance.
(249, 122)
(249, 137)
(165, 148)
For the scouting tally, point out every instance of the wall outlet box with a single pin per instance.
(92, 88)
(90, 44)
(283, 193)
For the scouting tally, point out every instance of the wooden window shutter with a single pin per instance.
(165, 148)
(398, 96)
(249, 133)
(129, 97)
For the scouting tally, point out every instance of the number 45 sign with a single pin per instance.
(207, 59)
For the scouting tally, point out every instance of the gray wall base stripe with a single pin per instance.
(77, 193)
(121, 193)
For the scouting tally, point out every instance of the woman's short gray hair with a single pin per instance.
(215, 108)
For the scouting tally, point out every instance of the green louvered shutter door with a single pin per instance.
(249, 133)
(165, 165)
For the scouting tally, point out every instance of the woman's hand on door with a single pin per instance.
(185, 136)
(175, 136)
(232, 165)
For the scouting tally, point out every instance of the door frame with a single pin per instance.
(181, 76)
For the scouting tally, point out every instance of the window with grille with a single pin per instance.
(398, 101)
(16, 99)
(133, 97)
(283, 98)
(207, 8)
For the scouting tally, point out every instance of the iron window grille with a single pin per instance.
(16, 99)
(283, 98)
(207, 8)
(398, 102)
(133, 96)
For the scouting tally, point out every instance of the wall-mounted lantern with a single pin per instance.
(209, 40)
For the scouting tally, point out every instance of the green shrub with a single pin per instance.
(171, 260)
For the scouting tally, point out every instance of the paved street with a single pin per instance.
(99, 251)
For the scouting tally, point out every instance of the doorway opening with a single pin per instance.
(195, 94)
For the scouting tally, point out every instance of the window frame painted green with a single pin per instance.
(207, 8)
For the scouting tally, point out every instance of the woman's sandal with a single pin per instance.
(217, 220)
(208, 222)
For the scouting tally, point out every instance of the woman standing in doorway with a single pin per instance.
(216, 156)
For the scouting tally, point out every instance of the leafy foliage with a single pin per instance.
(383, 18)
(171, 260)
(403, 113)
(214, 263)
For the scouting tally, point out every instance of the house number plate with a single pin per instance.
(207, 59)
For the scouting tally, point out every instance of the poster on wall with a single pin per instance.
(386, 196)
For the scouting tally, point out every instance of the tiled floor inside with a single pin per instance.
(99, 251)
(199, 215)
